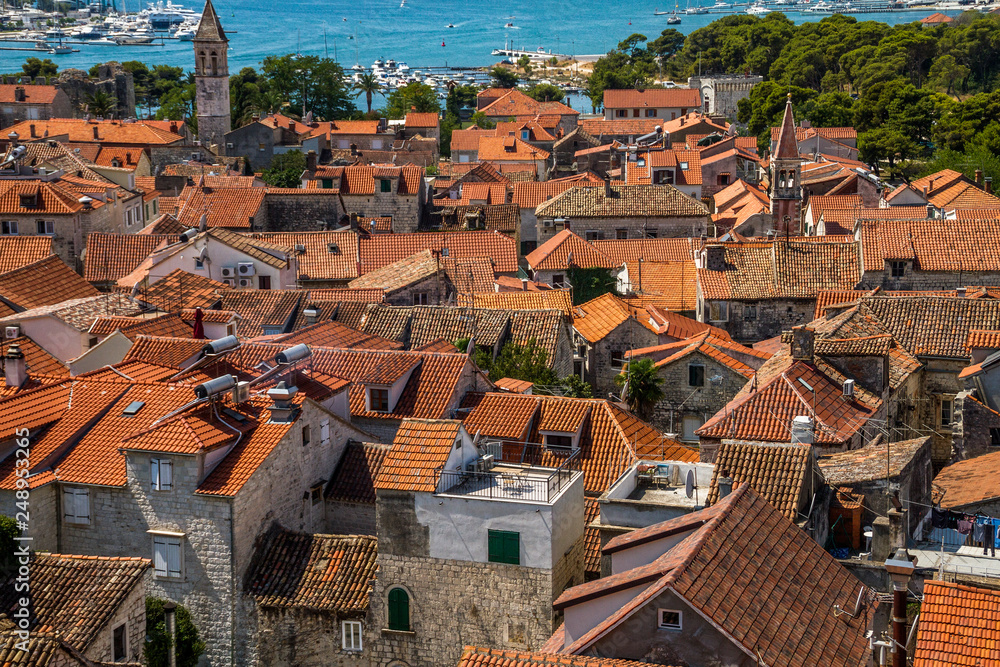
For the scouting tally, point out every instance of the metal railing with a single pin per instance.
(541, 473)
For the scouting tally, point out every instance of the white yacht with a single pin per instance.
(757, 10)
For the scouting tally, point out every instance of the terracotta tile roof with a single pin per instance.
(599, 317)
(983, 339)
(745, 546)
(509, 148)
(556, 299)
(346, 127)
(20, 251)
(612, 439)
(333, 334)
(975, 213)
(936, 18)
(780, 269)
(629, 201)
(516, 103)
(515, 129)
(619, 127)
(420, 448)
(703, 344)
(353, 480)
(33, 93)
(414, 119)
(38, 360)
(163, 325)
(969, 482)
(43, 283)
(38, 198)
(468, 140)
(402, 274)
(487, 193)
(555, 254)
(803, 133)
(474, 656)
(933, 326)
(382, 249)
(689, 98)
(327, 255)
(504, 218)
(137, 133)
(430, 323)
(179, 290)
(331, 573)
(531, 194)
(764, 412)
(777, 473)
(166, 352)
(261, 308)
(669, 285)
(870, 463)
(223, 207)
(678, 326)
(127, 158)
(360, 179)
(591, 537)
(514, 386)
(932, 245)
(958, 626)
(76, 597)
(79, 313)
(649, 250)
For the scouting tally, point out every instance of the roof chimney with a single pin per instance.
(173, 127)
(311, 160)
(802, 430)
(95, 132)
(311, 314)
(802, 343)
(282, 410)
(31, 128)
(19, 94)
(715, 257)
(15, 368)
(979, 177)
(960, 292)
(725, 483)
(988, 185)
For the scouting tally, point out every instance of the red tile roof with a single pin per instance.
(474, 656)
(509, 148)
(649, 250)
(137, 133)
(33, 94)
(685, 98)
(383, 249)
(353, 480)
(19, 251)
(327, 255)
(932, 245)
(778, 473)
(223, 207)
(516, 103)
(420, 448)
(958, 626)
(533, 193)
(969, 482)
(179, 290)
(414, 119)
(627, 201)
(554, 254)
(599, 317)
(46, 282)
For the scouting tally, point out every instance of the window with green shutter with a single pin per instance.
(386, 185)
(399, 610)
(505, 547)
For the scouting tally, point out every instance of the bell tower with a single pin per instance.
(211, 75)
(786, 178)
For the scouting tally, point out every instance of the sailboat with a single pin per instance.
(674, 18)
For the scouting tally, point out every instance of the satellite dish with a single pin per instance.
(689, 484)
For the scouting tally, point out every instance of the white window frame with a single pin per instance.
(718, 311)
(9, 228)
(76, 506)
(324, 432)
(348, 636)
(48, 227)
(950, 402)
(670, 626)
(158, 481)
(162, 566)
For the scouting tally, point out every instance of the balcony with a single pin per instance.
(519, 472)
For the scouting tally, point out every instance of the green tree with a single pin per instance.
(178, 104)
(832, 109)
(641, 386)
(157, 647)
(99, 103)
(412, 97)
(310, 82)
(574, 387)
(461, 97)
(501, 77)
(529, 362)
(524, 62)
(545, 92)
(589, 283)
(9, 532)
(946, 71)
(367, 84)
(285, 170)
(482, 120)
(667, 44)
(34, 67)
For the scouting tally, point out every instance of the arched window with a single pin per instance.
(201, 57)
(399, 610)
(215, 63)
(781, 179)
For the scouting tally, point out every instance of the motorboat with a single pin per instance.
(696, 10)
(508, 25)
(757, 10)
(390, 64)
(402, 67)
(88, 31)
(357, 67)
(60, 49)
(673, 19)
(450, 25)
(378, 64)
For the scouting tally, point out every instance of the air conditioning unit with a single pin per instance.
(229, 281)
(548, 223)
(241, 392)
(11, 332)
(229, 272)
(848, 388)
(246, 268)
(246, 282)
(485, 464)
(300, 247)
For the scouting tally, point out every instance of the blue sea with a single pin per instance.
(413, 31)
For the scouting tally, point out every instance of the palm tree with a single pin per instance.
(368, 84)
(641, 386)
(99, 103)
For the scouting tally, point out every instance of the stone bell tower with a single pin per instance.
(786, 178)
(211, 75)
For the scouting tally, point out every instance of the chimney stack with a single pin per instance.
(979, 177)
(19, 94)
(725, 484)
(802, 343)
(715, 257)
(170, 620)
(96, 135)
(608, 192)
(173, 128)
(282, 410)
(960, 292)
(311, 314)
(15, 368)
(311, 160)
(988, 185)
(86, 202)
(31, 128)
(802, 430)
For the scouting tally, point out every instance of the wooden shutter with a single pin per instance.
(160, 556)
(166, 474)
(399, 610)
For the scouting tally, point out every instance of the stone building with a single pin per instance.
(31, 102)
(622, 212)
(606, 329)
(721, 93)
(786, 178)
(471, 550)
(91, 609)
(211, 78)
(111, 79)
(971, 486)
(397, 193)
(660, 103)
(700, 376)
(756, 290)
(143, 471)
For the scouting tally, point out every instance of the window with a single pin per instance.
(946, 412)
(76, 506)
(616, 358)
(167, 556)
(161, 474)
(722, 179)
(262, 147)
(119, 644)
(621, 233)
(230, 329)
(663, 176)
(750, 311)
(8, 227)
(305, 435)
(525, 134)
(650, 113)
(897, 269)
(385, 185)
(378, 400)
(504, 547)
(399, 610)
(696, 375)
(595, 236)
(690, 424)
(316, 494)
(558, 279)
(324, 431)
(376, 144)
(327, 183)
(29, 201)
(636, 113)
(669, 619)
(564, 441)
(673, 115)
(995, 437)
(420, 298)
(92, 341)
(333, 248)
(199, 264)
(45, 227)
(264, 282)
(352, 635)
(718, 311)
(652, 232)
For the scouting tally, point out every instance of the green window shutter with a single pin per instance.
(495, 547)
(512, 548)
(386, 185)
(399, 610)
(504, 547)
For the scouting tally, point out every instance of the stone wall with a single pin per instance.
(435, 287)
(973, 423)
(939, 379)
(627, 336)
(681, 400)
(302, 638)
(771, 317)
(344, 518)
(663, 227)
(721, 93)
(308, 211)
(925, 280)
(405, 210)
(131, 612)
(111, 79)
